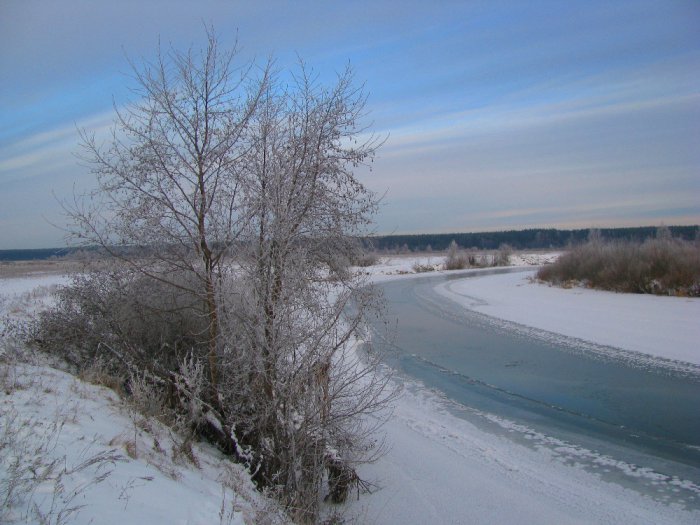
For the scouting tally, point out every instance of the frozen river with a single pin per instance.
(635, 424)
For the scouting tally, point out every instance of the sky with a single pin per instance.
(498, 115)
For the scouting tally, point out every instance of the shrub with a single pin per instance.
(125, 320)
(659, 266)
(502, 256)
(455, 260)
(423, 268)
(365, 259)
(212, 168)
(150, 339)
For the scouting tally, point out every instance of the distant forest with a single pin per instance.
(535, 239)
(35, 254)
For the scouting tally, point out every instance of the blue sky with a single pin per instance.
(499, 115)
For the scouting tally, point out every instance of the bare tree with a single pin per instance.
(307, 209)
(169, 179)
(215, 165)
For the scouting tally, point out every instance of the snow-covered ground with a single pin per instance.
(80, 455)
(667, 327)
(406, 266)
(439, 468)
(73, 452)
(21, 295)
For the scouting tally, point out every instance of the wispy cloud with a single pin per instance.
(644, 90)
(498, 114)
(47, 151)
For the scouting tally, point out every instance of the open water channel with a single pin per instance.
(633, 421)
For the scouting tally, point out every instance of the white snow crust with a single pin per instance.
(439, 468)
(444, 469)
(145, 480)
(667, 327)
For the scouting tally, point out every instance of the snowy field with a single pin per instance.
(439, 468)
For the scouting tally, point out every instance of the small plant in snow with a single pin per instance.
(502, 256)
(37, 484)
(456, 259)
(422, 268)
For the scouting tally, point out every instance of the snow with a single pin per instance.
(14, 288)
(394, 267)
(73, 423)
(76, 453)
(444, 469)
(439, 468)
(666, 327)
(21, 295)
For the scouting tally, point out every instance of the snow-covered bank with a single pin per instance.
(442, 469)
(667, 327)
(73, 452)
(394, 267)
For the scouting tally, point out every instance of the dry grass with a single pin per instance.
(657, 266)
(14, 269)
(458, 259)
(423, 268)
(34, 474)
(365, 259)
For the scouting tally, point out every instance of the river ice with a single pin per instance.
(445, 469)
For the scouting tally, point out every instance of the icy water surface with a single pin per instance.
(635, 421)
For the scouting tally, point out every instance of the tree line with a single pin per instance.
(531, 239)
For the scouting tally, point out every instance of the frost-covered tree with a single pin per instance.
(235, 190)
(169, 197)
(307, 208)
(455, 259)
